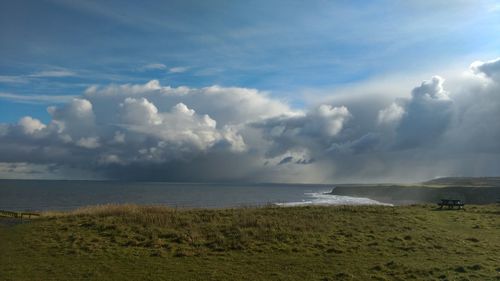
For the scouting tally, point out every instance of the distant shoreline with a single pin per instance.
(402, 195)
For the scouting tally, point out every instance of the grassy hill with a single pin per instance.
(471, 190)
(129, 242)
(465, 181)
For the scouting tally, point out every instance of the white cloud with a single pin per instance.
(36, 99)
(161, 66)
(53, 73)
(78, 108)
(178, 69)
(31, 125)
(77, 116)
(432, 89)
(13, 79)
(89, 142)
(226, 105)
(139, 112)
(490, 68)
(330, 120)
(391, 114)
(153, 66)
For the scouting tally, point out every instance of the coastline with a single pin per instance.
(403, 195)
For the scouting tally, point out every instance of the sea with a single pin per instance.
(41, 195)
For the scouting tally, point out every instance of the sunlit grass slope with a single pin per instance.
(129, 242)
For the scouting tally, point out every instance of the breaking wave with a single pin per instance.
(322, 198)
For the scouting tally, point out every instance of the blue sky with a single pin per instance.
(279, 91)
(57, 48)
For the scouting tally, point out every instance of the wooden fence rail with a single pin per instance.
(21, 215)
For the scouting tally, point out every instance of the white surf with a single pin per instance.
(322, 198)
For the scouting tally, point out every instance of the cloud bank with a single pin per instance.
(154, 132)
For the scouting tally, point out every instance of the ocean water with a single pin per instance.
(42, 195)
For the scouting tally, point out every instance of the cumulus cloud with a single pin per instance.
(391, 114)
(155, 132)
(31, 125)
(139, 112)
(139, 126)
(490, 68)
(308, 133)
(226, 105)
(427, 115)
(432, 89)
(75, 119)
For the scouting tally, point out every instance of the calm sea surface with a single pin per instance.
(65, 195)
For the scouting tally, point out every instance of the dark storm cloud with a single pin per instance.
(308, 133)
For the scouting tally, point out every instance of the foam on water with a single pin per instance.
(323, 198)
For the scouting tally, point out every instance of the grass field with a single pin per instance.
(129, 242)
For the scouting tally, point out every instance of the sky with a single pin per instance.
(254, 91)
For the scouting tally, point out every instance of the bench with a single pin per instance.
(451, 203)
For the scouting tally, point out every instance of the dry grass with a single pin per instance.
(120, 210)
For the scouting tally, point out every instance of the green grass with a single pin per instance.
(129, 242)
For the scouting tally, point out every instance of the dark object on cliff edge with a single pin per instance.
(451, 203)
